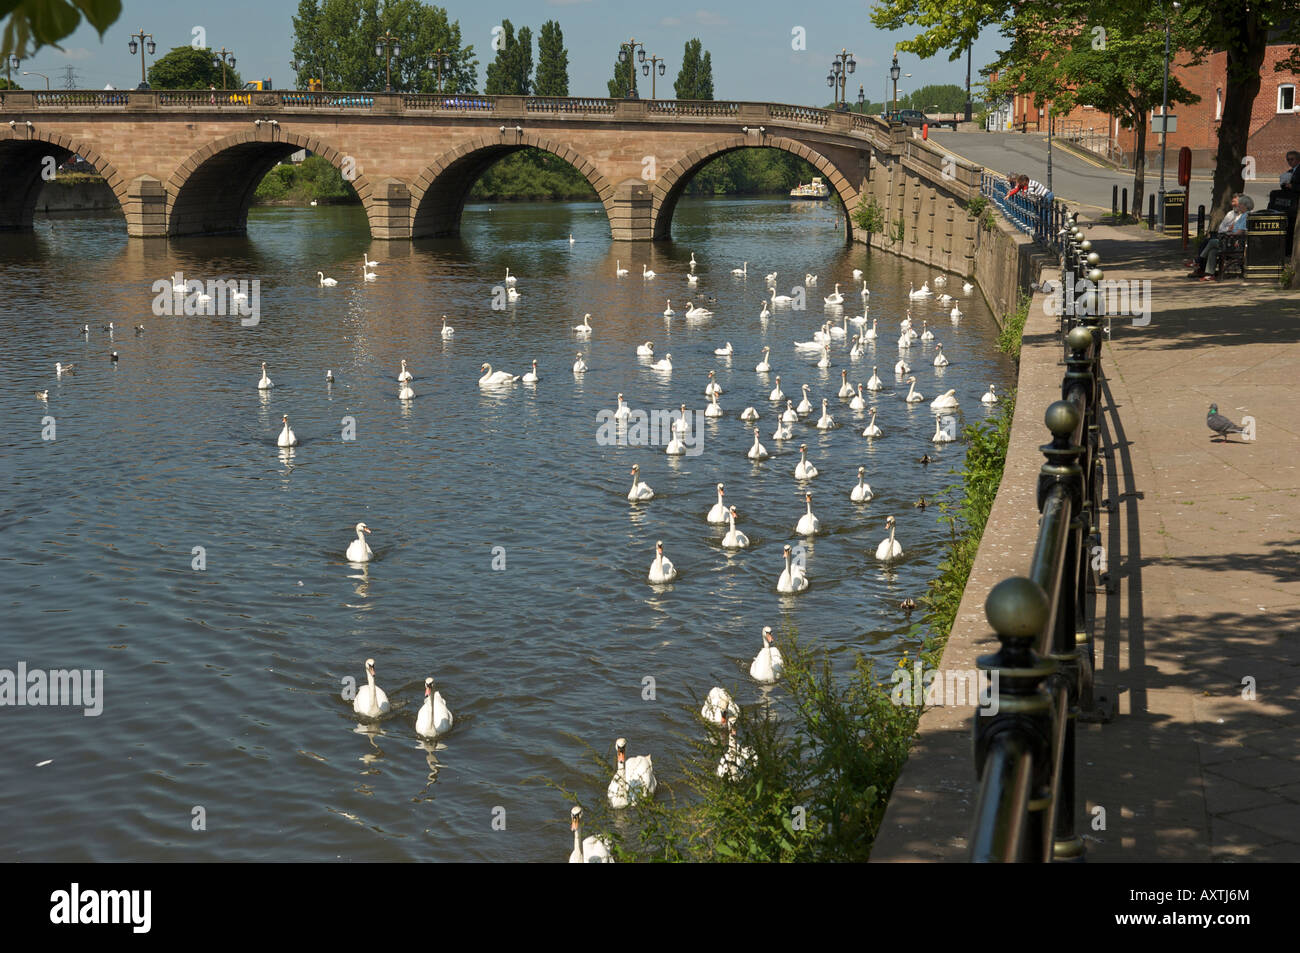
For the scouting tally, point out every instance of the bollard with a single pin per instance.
(1123, 203)
(1151, 213)
(1200, 220)
(1114, 200)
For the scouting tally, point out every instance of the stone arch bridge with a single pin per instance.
(188, 162)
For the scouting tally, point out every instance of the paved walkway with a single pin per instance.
(1204, 551)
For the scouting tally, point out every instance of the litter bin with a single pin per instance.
(1265, 244)
(1175, 211)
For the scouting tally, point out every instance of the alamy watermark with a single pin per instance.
(945, 688)
(64, 687)
(215, 297)
(655, 428)
(1109, 297)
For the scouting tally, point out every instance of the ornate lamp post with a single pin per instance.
(11, 63)
(222, 58)
(388, 46)
(440, 60)
(841, 67)
(649, 69)
(894, 72)
(142, 41)
(625, 51)
(1164, 120)
(862, 100)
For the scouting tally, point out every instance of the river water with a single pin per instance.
(509, 565)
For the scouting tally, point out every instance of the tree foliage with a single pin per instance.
(334, 41)
(32, 24)
(695, 78)
(552, 62)
(8, 84)
(949, 97)
(188, 67)
(623, 82)
(510, 74)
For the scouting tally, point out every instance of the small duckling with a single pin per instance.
(921, 504)
(907, 605)
(925, 460)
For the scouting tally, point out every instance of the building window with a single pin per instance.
(1286, 98)
(1218, 103)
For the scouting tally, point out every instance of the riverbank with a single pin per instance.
(76, 192)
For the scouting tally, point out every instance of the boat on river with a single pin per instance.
(816, 189)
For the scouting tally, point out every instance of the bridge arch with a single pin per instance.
(439, 194)
(211, 191)
(669, 186)
(21, 161)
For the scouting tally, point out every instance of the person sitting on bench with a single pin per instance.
(1233, 223)
(1288, 179)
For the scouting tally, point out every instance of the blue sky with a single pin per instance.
(750, 41)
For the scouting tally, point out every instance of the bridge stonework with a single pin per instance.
(184, 163)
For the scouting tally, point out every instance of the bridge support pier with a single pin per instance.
(146, 208)
(390, 210)
(630, 217)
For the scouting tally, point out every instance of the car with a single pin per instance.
(914, 117)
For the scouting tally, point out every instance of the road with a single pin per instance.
(1076, 180)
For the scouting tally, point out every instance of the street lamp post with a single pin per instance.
(625, 51)
(41, 75)
(894, 72)
(1164, 121)
(968, 102)
(656, 63)
(11, 63)
(442, 59)
(838, 78)
(862, 100)
(144, 41)
(223, 58)
(388, 46)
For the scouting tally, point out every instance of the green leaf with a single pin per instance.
(52, 20)
(101, 14)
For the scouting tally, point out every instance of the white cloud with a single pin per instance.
(671, 21)
(76, 53)
(709, 18)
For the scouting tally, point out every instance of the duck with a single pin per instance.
(736, 761)
(713, 410)
(718, 514)
(846, 389)
(921, 292)
(925, 460)
(646, 273)
(579, 365)
(901, 368)
(825, 421)
(889, 549)
(783, 430)
(921, 503)
(435, 717)
(717, 705)
(940, 359)
(757, 451)
(803, 470)
(940, 435)
(265, 382)
(645, 350)
(808, 524)
(623, 411)
(85, 330)
(742, 270)
(734, 539)
(872, 333)
(825, 360)
(662, 570)
(989, 397)
(857, 350)
(926, 333)
(805, 405)
(874, 382)
(586, 850)
(762, 367)
(532, 377)
(585, 326)
(619, 270)
(872, 430)
(329, 377)
(955, 313)
(359, 550)
(326, 282)
(640, 491)
(109, 328)
(793, 578)
(724, 351)
(861, 492)
(633, 780)
(509, 278)
(60, 369)
(404, 375)
(287, 437)
(908, 605)
(665, 365)
(912, 396)
(858, 402)
(945, 401)
(43, 394)
(113, 357)
(370, 699)
(768, 663)
(492, 378)
(447, 330)
(834, 297)
(777, 395)
(789, 415)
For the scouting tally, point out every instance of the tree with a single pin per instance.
(31, 24)
(624, 82)
(334, 41)
(510, 74)
(949, 97)
(552, 62)
(8, 84)
(695, 78)
(187, 67)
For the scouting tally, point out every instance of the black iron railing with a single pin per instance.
(1041, 677)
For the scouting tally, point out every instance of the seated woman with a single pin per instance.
(1233, 223)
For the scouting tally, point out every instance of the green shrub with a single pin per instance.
(976, 206)
(1013, 328)
(870, 217)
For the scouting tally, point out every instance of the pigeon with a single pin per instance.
(1221, 424)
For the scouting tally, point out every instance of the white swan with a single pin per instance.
(645, 273)
(734, 539)
(825, 421)
(809, 278)
(736, 761)
(783, 430)
(287, 437)
(871, 429)
(889, 549)
(803, 470)
(585, 326)
(792, 578)
(813, 345)
(492, 378)
(713, 410)
(749, 413)
(718, 704)
(875, 383)
(768, 663)
(763, 367)
(777, 394)
(955, 313)
(447, 331)
(940, 280)
(940, 436)
(668, 310)
(840, 331)
(780, 299)
(872, 333)
(368, 275)
(723, 351)
(645, 350)
(945, 401)
(640, 491)
(904, 341)
(825, 360)
(435, 717)
(859, 319)
(265, 382)
(901, 368)
(718, 514)
(834, 297)
(570, 238)
(967, 287)
(757, 451)
(743, 270)
(692, 280)
(619, 270)
(858, 402)
(921, 292)
(694, 312)
(623, 411)
(633, 779)
(912, 396)
(789, 415)
(586, 850)
(865, 292)
(329, 377)
(579, 365)
(940, 359)
(510, 279)
(532, 377)
(512, 294)
(405, 392)
(857, 350)
(765, 313)
(989, 397)
(805, 405)
(857, 273)
(326, 282)
(823, 335)
(359, 550)
(846, 389)
(665, 365)
(808, 524)
(682, 425)
(404, 375)
(662, 570)
(861, 493)
(770, 277)
(370, 700)
(926, 333)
